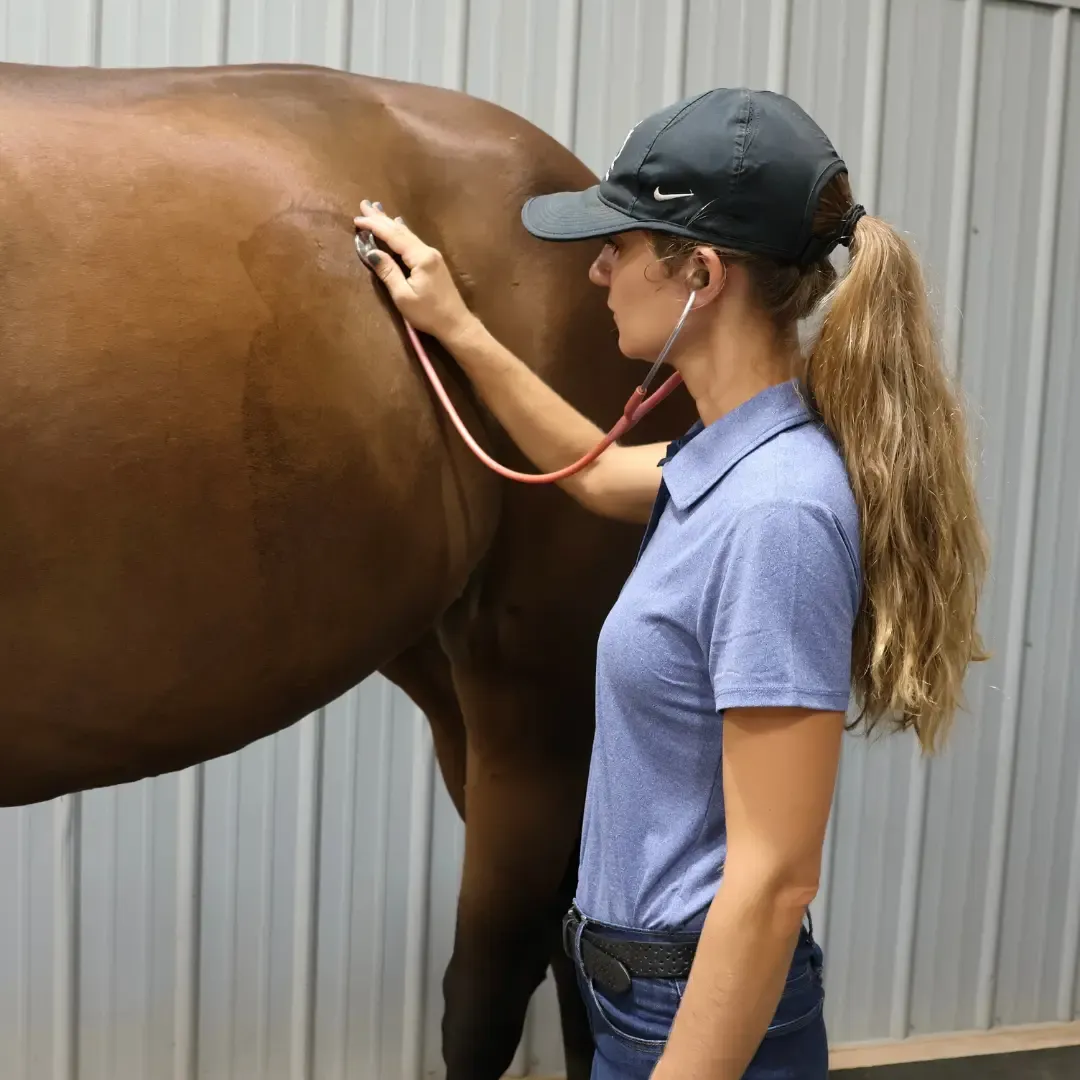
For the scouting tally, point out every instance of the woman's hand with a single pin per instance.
(428, 297)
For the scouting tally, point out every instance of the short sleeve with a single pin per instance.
(779, 610)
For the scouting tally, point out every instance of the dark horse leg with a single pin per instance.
(423, 672)
(521, 804)
(523, 800)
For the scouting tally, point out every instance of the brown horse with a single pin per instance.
(227, 493)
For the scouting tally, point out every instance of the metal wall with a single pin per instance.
(287, 912)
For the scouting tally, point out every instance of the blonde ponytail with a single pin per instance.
(876, 377)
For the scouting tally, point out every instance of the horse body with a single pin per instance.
(227, 493)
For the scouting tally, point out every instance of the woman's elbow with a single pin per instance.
(603, 490)
(785, 887)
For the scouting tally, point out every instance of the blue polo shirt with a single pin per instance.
(744, 594)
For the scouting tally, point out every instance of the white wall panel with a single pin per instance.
(1039, 946)
(288, 911)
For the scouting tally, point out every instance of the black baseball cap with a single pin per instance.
(742, 169)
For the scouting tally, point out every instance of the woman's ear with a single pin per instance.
(706, 275)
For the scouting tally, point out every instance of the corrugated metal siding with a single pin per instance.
(287, 912)
(1040, 939)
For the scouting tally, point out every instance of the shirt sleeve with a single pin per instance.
(779, 610)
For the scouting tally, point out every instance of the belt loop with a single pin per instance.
(817, 960)
(578, 931)
(574, 922)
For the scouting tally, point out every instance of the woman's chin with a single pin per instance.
(632, 350)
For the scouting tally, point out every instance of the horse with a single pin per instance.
(228, 493)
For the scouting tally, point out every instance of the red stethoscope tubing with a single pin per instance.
(639, 404)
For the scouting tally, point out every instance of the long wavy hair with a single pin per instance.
(874, 375)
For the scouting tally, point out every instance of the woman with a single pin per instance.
(816, 532)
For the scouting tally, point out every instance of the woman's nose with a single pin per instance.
(600, 271)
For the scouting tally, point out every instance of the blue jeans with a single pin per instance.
(631, 1029)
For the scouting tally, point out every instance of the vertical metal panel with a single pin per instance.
(223, 864)
(1037, 963)
(960, 210)
(188, 875)
(829, 72)
(19, 1015)
(1054, 660)
(367, 767)
(910, 861)
(418, 901)
(567, 58)
(727, 44)
(288, 912)
(305, 896)
(678, 18)
(621, 74)
(999, 311)
(776, 77)
(836, 58)
(911, 867)
(27, 846)
(1045, 215)
(66, 937)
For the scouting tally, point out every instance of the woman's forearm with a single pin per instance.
(547, 429)
(738, 976)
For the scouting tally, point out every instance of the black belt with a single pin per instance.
(612, 961)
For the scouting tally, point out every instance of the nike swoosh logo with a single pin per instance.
(660, 196)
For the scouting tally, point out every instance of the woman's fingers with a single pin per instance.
(394, 233)
(390, 274)
(386, 230)
(427, 296)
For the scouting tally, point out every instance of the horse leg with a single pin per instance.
(523, 802)
(424, 673)
(508, 910)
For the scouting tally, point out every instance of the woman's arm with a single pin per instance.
(622, 483)
(779, 770)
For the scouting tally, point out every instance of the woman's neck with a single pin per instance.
(731, 367)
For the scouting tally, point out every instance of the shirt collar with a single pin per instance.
(698, 461)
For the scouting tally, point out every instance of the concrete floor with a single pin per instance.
(1042, 1065)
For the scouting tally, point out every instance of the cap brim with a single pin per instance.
(574, 215)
